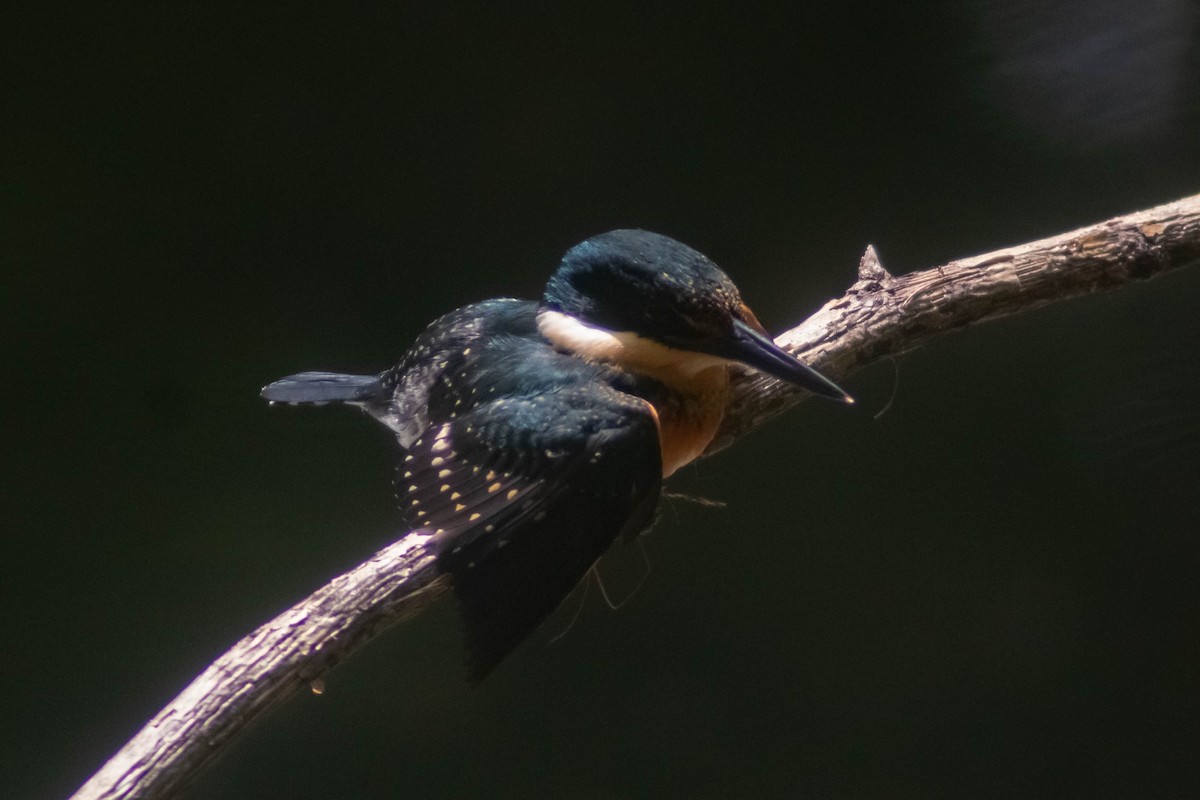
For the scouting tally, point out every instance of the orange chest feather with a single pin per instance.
(688, 419)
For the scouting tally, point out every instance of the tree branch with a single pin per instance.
(259, 672)
(882, 315)
(879, 315)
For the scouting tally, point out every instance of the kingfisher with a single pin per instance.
(533, 434)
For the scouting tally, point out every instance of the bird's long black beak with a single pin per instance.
(755, 349)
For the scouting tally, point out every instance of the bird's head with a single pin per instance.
(650, 304)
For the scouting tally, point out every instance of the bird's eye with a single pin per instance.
(747, 316)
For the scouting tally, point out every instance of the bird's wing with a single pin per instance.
(523, 495)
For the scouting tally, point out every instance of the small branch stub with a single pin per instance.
(870, 268)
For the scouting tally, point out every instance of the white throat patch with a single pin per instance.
(623, 349)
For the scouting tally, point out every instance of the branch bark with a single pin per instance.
(879, 315)
(882, 314)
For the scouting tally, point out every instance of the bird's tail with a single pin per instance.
(323, 387)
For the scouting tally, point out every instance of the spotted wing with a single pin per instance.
(523, 495)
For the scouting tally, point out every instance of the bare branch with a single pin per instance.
(288, 653)
(882, 315)
(879, 315)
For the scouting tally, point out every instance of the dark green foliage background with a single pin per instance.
(989, 591)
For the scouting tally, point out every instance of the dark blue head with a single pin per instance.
(646, 283)
(653, 287)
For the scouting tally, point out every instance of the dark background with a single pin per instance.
(988, 591)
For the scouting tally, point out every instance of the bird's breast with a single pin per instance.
(691, 386)
(688, 417)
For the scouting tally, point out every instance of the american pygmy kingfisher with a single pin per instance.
(534, 434)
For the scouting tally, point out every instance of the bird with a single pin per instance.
(534, 434)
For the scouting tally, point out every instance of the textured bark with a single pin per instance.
(288, 653)
(879, 315)
(883, 315)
